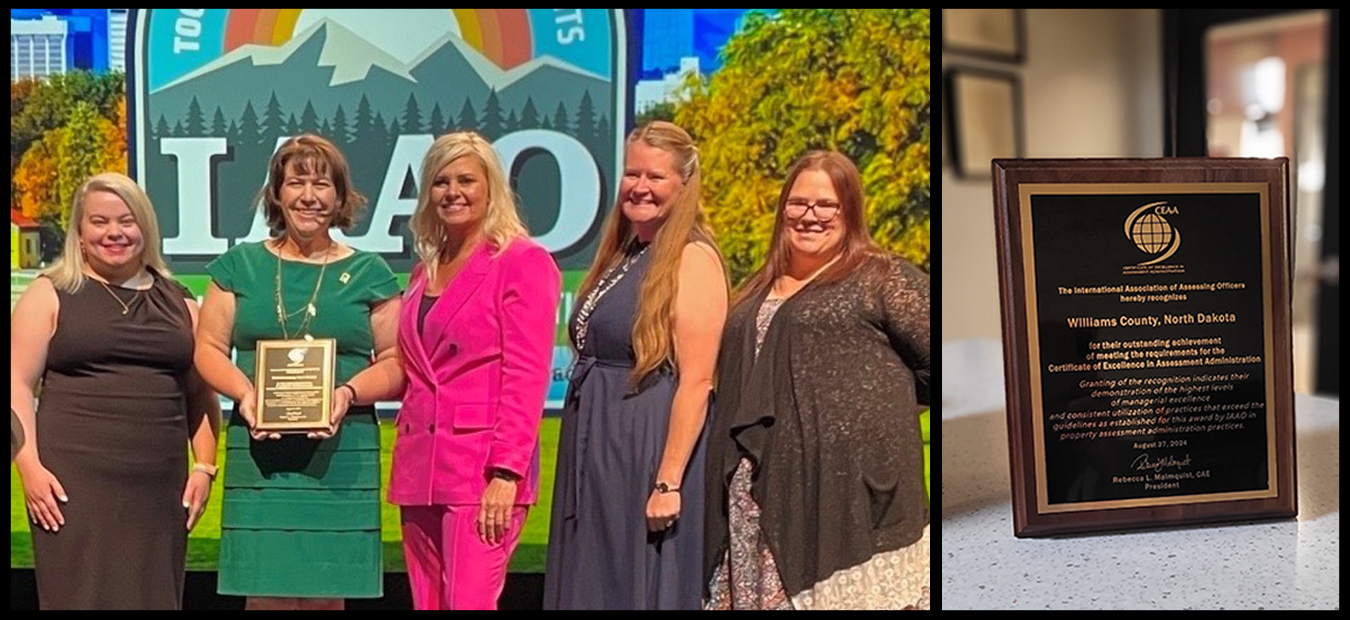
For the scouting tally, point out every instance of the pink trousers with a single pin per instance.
(448, 566)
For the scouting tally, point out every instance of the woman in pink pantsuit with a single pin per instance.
(476, 344)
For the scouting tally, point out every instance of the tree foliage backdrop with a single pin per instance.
(855, 81)
(63, 130)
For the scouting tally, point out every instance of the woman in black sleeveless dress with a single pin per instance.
(106, 471)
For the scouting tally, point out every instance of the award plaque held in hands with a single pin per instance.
(294, 383)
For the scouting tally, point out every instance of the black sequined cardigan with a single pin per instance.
(829, 412)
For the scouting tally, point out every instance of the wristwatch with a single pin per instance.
(662, 487)
(505, 475)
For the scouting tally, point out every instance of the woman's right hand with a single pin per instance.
(248, 408)
(43, 495)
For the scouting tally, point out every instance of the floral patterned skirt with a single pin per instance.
(747, 577)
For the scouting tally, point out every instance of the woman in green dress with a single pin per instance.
(300, 523)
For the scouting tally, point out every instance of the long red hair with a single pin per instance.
(653, 344)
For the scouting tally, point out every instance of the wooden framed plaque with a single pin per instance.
(294, 383)
(1146, 341)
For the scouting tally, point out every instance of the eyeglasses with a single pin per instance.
(825, 210)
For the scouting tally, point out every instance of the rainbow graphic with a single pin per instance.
(502, 35)
(184, 40)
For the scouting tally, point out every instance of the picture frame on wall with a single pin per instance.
(985, 112)
(996, 34)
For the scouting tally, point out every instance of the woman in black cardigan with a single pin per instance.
(815, 472)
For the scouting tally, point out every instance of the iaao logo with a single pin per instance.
(215, 91)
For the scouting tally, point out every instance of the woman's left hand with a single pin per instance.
(494, 513)
(342, 401)
(195, 496)
(663, 509)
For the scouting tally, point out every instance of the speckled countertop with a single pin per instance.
(1292, 564)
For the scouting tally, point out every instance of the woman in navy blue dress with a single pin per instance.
(627, 523)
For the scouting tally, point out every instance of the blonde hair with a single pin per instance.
(501, 223)
(67, 273)
(653, 344)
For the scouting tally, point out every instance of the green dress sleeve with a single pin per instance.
(224, 270)
(381, 283)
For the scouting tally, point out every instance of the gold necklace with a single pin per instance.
(126, 307)
(309, 309)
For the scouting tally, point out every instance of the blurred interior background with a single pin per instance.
(1148, 83)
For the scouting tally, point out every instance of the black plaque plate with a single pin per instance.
(1146, 341)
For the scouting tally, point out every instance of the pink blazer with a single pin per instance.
(477, 378)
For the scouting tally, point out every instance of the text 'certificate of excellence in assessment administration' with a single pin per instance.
(1147, 341)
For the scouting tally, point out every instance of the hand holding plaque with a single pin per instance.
(294, 385)
(342, 401)
(248, 409)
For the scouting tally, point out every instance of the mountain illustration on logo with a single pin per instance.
(214, 92)
(342, 68)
